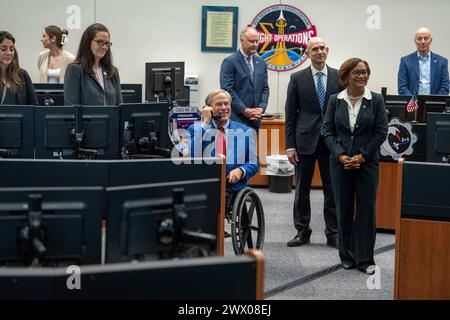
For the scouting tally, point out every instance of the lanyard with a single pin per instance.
(3, 95)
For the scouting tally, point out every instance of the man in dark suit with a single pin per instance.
(423, 72)
(244, 76)
(306, 101)
(239, 145)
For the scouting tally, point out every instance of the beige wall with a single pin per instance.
(170, 30)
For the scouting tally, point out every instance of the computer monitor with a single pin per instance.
(430, 103)
(396, 105)
(192, 279)
(75, 132)
(144, 221)
(438, 137)
(163, 77)
(51, 226)
(49, 94)
(52, 94)
(16, 131)
(131, 93)
(144, 130)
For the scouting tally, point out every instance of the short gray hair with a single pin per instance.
(214, 93)
(244, 31)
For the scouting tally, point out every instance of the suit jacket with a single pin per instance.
(369, 132)
(303, 113)
(245, 91)
(82, 89)
(239, 138)
(409, 75)
(67, 58)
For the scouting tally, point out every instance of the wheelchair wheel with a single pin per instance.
(247, 221)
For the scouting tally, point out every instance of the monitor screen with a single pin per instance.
(62, 228)
(16, 131)
(144, 130)
(438, 137)
(396, 105)
(49, 94)
(52, 94)
(430, 103)
(75, 132)
(142, 221)
(159, 82)
(131, 93)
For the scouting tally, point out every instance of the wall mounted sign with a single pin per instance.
(284, 32)
(219, 28)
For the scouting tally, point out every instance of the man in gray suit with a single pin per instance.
(306, 102)
(244, 76)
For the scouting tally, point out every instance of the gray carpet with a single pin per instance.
(311, 271)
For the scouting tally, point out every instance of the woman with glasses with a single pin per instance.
(355, 127)
(52, 63)
(92, 79)
(15, 83)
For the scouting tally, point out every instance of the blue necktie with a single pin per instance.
(320, 90)
(321, 97)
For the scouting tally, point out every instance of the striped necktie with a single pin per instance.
(320, 90)
(248, 60)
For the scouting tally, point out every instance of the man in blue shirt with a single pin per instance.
(423, 72)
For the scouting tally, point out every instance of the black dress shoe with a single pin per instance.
(297, 241)
(367, 268)
(333, 243)
(347, 265)
(226, 234)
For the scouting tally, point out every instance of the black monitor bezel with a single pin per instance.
(151, 68)
(42, 113)
(90, 202)
(26, 150)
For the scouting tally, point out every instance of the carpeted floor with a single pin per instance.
(312, 271)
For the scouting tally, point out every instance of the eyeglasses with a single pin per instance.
(359, 72)
(102, 43)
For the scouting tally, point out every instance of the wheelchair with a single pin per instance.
(245, 214)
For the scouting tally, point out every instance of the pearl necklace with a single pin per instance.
(355, 98)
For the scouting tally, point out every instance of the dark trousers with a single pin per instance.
(302, 205)
(355, 194)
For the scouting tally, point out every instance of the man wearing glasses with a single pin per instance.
(306, 102)
(92, 79)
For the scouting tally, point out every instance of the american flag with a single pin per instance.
(412, 104)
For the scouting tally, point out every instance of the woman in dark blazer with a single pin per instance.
(92, 79)
(15, 83)
(356, 126)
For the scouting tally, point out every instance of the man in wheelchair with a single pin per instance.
(217, 135)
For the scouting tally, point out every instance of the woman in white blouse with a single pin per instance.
(355, 127)
(52, 63)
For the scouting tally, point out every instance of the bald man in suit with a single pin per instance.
(306, 102)
(423, 71)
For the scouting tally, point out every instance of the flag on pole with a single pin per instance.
(412, 104)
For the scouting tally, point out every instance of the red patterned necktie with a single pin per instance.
(221, 143)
